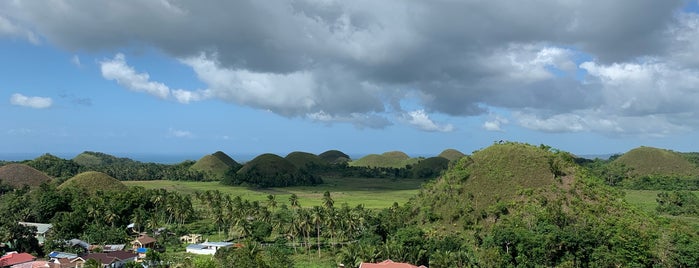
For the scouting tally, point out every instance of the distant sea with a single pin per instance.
(142, 157)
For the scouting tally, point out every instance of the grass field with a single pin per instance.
(371, 192)
(645, 200)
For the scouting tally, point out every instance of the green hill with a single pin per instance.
(451, 154)
(334, 157)
(18, 175)
(96, 159)
(649, 161)
(270, 170)
(394, 159)
(55, 166)
(92, 181)
(494, 174)
(430, 167)
(215, 165)
(304, 159)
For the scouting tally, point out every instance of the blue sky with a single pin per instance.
(181, 77)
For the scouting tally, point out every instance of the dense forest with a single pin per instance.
(507, 205)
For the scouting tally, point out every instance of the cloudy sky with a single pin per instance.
(186, 76)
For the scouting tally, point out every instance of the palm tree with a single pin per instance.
(327, 200)
(317, 220)
(294, 201)
(271, 202)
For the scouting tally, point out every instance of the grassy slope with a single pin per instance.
(393, 159)
(372, 193)
(19, 174)
(93, 181)
(301, 159)
(451, 154)
(654, 161)
(214, 165)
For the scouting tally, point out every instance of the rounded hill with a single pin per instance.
(494, 174)
(268, 165)
(18, 175)
(451, 154)
(392, 159)
(647, 161)
(304, 159)
(334, 157)
(92, 181)
(270, 170)
(215, 165)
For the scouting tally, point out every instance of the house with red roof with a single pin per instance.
(14, 258)
(389, 264)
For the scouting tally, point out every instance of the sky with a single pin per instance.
(249, 77)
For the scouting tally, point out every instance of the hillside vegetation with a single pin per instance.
(18, 175)
(215, 165)
(93, 181)
(494, 174)
(393, 159)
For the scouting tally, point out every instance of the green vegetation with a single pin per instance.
(93, 181)
(18, 175)
(372, 193)
(304, 160)
(334, 157)
(394, 159)
(451, 154)
(430, 167)
(507, 205)
(215, 166)
(270, 170)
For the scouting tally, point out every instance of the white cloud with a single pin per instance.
(19, 131)
(421, 120)
(359, 120)
(31, 102)
(289, 94)
(495, 124)
(125, 75)
(180, 133)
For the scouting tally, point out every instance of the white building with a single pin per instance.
(207, 248)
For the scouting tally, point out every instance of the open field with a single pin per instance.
(645, 200)
(373, 193)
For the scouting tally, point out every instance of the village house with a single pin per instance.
(191, 238)
(207, 248)
(13, 258)
(41, 230)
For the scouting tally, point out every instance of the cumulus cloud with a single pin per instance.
(421, 120)
(31, 102)
(558, 66)
(495, 124)
(117, 69)
(75, 60)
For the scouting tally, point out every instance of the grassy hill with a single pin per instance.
(18, 175)
(648, 161)
(494, 174)
(334, 157)
(95, 159)
(395, 159)
(303, 159)
(92, 181)
(451, 154)
(215, 165)
(268, 165)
